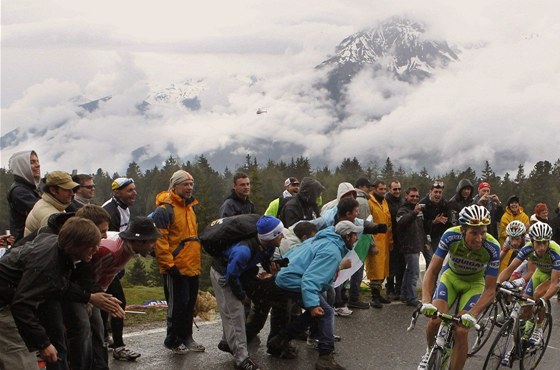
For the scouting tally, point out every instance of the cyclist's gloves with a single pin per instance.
(468, 321)
(541, 302)
(514, 283)
(428, 309)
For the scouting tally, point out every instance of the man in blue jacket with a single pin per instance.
(227, 272)
(311, 271)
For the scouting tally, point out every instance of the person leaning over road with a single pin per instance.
(28, 276)
(411, 242)
(543, 284)
(84, 193)
(139, 238)
(311, 271)
(471, 273)
(513, 211)
(178, 256)
(226, 275)
(291, 185)
(24, 191)
(238, 202)
(57, 196)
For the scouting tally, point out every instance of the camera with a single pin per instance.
(282, 262)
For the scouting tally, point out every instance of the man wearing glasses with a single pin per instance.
(84, 193)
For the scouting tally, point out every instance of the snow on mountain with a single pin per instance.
(397, 45)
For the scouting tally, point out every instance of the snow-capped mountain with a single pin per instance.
(397, 45)
(185, 93)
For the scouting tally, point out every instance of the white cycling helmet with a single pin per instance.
(515, 228)
(474, 215)
(540, 231)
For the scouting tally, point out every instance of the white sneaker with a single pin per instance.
(536, 338)
(423, 365)
(342, 311)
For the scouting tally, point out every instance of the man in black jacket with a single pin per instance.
(238, 202)
(412, 240)
(24, 192)
(463, 197)
(303, 206)
(436, 217)
(28, 276)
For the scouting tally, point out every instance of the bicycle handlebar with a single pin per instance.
(440, 315)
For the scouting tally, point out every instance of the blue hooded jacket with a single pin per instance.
(313, 266)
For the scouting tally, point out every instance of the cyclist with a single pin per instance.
(517, 237)
(544, 253)
(471, 272)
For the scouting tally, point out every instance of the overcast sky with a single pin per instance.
(500, 102)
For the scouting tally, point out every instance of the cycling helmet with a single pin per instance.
(474, 215)
(540, 231)
(515, 228)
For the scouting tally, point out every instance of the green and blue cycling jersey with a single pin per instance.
(545, 264)
(466, 268)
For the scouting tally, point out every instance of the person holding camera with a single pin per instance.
(437, 217)
(492, 203)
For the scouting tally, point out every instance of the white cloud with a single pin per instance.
(499, 103)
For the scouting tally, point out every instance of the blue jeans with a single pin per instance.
(325, 326)
(181, 293)
(410, 278)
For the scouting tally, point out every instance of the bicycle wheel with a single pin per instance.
(436, 356)
(503, 342)
(532, 355)
(487, 321)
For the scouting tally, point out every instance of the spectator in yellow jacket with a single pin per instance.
(178, 255)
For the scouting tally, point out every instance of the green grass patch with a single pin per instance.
(139, 295)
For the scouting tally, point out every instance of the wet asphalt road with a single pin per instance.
(371, 339)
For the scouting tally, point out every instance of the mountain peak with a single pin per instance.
(397, 45)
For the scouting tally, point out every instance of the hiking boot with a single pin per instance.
(327, 362)
(536, 338)
(125, 354)
(281, 347)
(224, 347)
(342, 311)
(359, 305)
(180, 349)
(383, 300)
(423, 365)
(248, 364)
(194, 346)
(376, 303)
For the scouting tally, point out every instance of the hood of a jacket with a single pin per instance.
(330, 234)
(20, 166)
(345, 188)
(309, 190)
(463, 184)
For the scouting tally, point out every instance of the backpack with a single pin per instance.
(224, 232)
(159, 221)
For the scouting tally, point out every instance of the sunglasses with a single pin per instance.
(395, 189)
(88, 186)
(437, 185)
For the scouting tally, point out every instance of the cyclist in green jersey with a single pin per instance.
(471, 273)
(544, 253)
